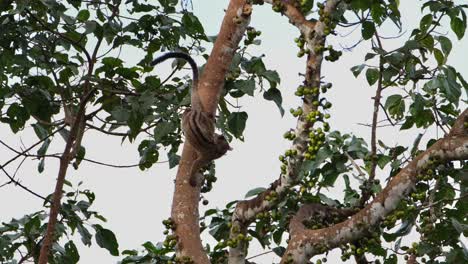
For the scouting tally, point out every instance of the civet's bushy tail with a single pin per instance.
(179, 55)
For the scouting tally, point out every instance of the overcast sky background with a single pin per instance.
(136, 202)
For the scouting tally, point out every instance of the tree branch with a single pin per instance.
(303, 245)
(246, 211)
(64, 161)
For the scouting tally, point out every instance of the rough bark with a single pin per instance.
(185, 212)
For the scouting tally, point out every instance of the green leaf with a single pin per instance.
(149, 154)
(274, 95)
(254, 66)
(246, 86)
(369, 56)
(68, 19)
(330, 171)
(450, 88)
(383, 160)
(120, 114)
(426, 22)
(163, 129)
(459, 226)
(278, 235)
(254, 192)
(85, 235)
(105, 238)
(458, 27)
(150, 247)
(236, 123)
(279, 251)
(327, 200)
(192, 25)
(173, 159)
(83, 15)
(411, 45)
(356, 70)
(428, 42)
(90, 27)
(368, 29)
(372, 75)
(439, 57)
(17, 117)
(71, 253)
(79, 156)
(445, 44)
(112, 62)
(409, 123)
(463, 82)
(395, 106)
(272, 76)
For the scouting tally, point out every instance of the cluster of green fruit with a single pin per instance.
(300, 42)
(429, 171)
(325, 18)
(426, 175)
(333, 55)
(320, 248)
(181, 260)
(367, 185)
(278, 6)
(316, 136)
(271, 196)
(316, 140)
(308, 182)
(303, 5)
(210, 179)
(171, 240)
(413, 250)
(252, 33)
(320, 222)
(358, 249)
(391, 219)
(233, 74)
(405, 208)
(283, 158)
(234, 242)
(427, 226)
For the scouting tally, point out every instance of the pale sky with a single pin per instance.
(136, 202)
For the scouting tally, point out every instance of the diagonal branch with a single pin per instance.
(304, 244)
(64, 162)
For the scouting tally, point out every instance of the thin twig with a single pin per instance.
(23, 153)
(118, 166)
(361, 173)
(107, 132)
(386, 114)
(378, 95)
(261, 254)
(16, 182)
